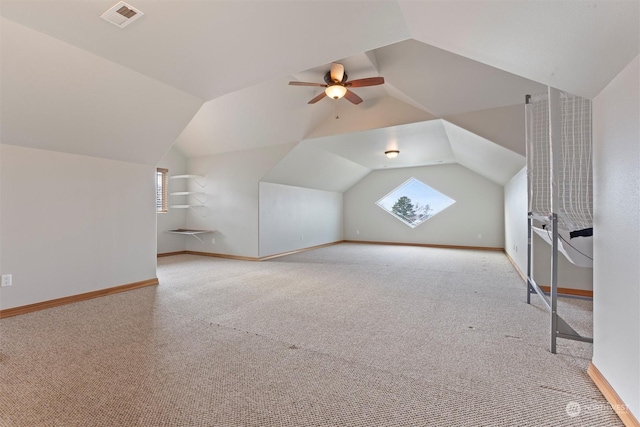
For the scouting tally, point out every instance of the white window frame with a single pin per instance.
(162, 179)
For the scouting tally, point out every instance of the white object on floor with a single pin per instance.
(578, 251)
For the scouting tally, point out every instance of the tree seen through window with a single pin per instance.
(414, 202)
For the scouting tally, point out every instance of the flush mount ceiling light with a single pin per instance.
(335, 91)
(392, 154)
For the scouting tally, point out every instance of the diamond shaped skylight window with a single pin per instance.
(414, 202)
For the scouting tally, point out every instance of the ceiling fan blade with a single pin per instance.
(352, 97)
(317, 98)
(369, 81)
(307, 84)
(337, 72)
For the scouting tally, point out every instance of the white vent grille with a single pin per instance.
(121, 14)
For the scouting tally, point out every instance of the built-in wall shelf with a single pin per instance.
(186, 206)
(187, 177)
(190, 232)
(198, 179)
(186, 193)
(198, 197)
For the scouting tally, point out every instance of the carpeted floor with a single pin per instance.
(347, 335)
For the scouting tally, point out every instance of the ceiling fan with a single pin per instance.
(337, 85)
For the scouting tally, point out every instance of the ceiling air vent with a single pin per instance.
(121, 14)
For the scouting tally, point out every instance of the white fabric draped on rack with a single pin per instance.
(572, 178)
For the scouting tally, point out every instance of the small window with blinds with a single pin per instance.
(161, 189)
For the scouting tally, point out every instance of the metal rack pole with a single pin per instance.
(530, 290)
(554, 158)
(554, 284)
(529, 260)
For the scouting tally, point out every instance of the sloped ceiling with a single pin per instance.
(61, 98)
(336, 163)
(575, 46)
(482, 156)
(269, 113)
(421, 144)
(503, 125)
(445, 83)
(468, 62)
(375, 113)
(311, 167)
(211, 48)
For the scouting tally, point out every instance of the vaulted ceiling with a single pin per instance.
(211, 76)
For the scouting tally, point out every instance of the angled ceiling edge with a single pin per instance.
(504, 126)
(83, 103)
(420, 144)
(407, 99)
(211, 48)
(576, 46)
(486, 158)
(311, 167)
(445, 83)
(378, 113)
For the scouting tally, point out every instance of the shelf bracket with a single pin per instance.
(196, 236)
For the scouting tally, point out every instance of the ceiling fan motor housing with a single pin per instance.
(329, 81)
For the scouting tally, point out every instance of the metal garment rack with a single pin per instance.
(559, 328)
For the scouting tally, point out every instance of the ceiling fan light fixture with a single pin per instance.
(335, 91)
(392, 154)
(336, 84)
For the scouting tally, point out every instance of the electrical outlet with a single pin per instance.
(357, 231)
(213, 241)
(6, 280)
(479, 236)
(302, 237)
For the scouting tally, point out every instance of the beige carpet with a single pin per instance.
(348, 335)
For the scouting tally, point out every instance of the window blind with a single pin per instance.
(161, 189)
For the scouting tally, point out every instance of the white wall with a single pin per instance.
(232, 208)
(176, 162)
(73, 224)
(478, 208)
(616, 352)
(515, 219)
(293, 218)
